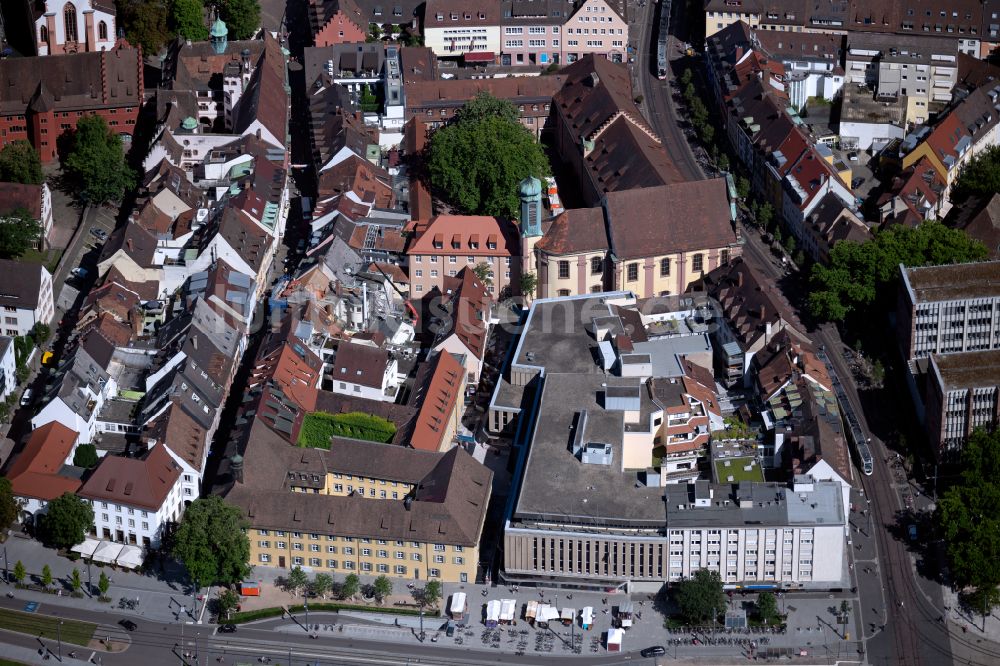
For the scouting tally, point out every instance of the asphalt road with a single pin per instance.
(155, 643)
(658, 105)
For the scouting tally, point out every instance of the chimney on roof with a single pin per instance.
(128, 244)
(593, 80)
(739, 279)
(408, 502)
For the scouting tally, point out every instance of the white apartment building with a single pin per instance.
(25, 297)
(8, 378)
(134, 500)
(454, 29)
(364, 372)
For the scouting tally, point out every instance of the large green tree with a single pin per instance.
(968, 517)
(18, 231)
(700, 598)
(242, 17)
(8, 504)
(187, 19)
(66, 521)
(145, 23)
(211, 542)
(96, 162)
(980, 176)
(86, 456)
(478, 159)
(859, 273)
(19, 163)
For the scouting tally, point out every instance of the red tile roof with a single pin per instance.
(470, 308)
(286, 361)
(17, 195)
(133, 482)
(440, 398)
(447, 230)
(575, 230)
(35, 473)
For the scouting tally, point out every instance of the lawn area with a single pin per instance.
(319, 427)
(49, 258)
(737, 469)
(73, 631)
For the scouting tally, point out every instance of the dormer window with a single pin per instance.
(454, 16)
(439, 16)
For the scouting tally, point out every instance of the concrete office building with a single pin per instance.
(947, 309)
(962, 395)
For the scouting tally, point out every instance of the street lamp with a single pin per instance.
(305, 605)
(6, 577)
(59, 637)
(422, 635)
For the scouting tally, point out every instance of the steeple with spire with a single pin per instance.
(219, 35)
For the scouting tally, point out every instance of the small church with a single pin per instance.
(73, 26)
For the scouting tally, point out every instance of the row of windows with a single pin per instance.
(438, 547)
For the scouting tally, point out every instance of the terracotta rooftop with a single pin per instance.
(438, 395)
(37, 471)
(17, 195)
(133, 482)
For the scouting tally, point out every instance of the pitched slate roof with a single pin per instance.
(359, 364)
(21, 284)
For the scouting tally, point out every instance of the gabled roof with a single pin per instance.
(367, 182)
(133, 482)
(37, 472)
(266, 98)
(980, 219)
(679, 217)
(21, 285)
(437, 394)
(134, 241)
(291, 366)
(456, 234)
(248, 240)
(177, 430)
(468, 303)
(359, 364)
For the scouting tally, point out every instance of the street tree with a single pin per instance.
(480, 156)
(46, 576)
(211, 542)
(351, 586)
(297, 580)
(700, 598)
(75, 581)
(383, 588)
(18, 232)
(103, 585)
(979, 177)
(96, 162)
(860, 275)
(145, 23)
(19, 572)
(19, 163)
(742, 187)
(227, 602)
(529, 282)
(968, 517)
(767, 607)
(187, 19)
(374, 32)
(431, 593)
(242, 17)
(67, 520)
(484, 273)
(8, 504)
(85, 456)
(322, 584)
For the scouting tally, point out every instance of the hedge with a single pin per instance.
(319, 427)
(264, 613)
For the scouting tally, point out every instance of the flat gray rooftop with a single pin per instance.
(557, 486)
(770, 504)
(555, 336)
(665, 352)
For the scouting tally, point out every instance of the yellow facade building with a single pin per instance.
(361, 507)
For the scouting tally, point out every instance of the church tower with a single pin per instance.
(219, 36)
(530, 192)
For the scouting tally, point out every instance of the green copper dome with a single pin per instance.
(219, 29)
(189, 123)
(530, 187)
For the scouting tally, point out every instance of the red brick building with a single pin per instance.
(40, 98)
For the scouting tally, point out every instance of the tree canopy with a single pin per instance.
(96, 162)
(858, 273)
(85, 456)
(968, 517)
(67, 520)
(980, 176)
(211, 543)
(187, 19)
(478, 159)
(18, 231)
(242, 17)
(8, 504)
(145, 23)
(700, 597)
(19, 163)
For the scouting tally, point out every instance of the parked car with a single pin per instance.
(913, 532)
(654, 651)
(858, 182)
(100, 234)
(79, 272)
(26, 397)
(128, 625)
(227, 629)
(852, 156)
